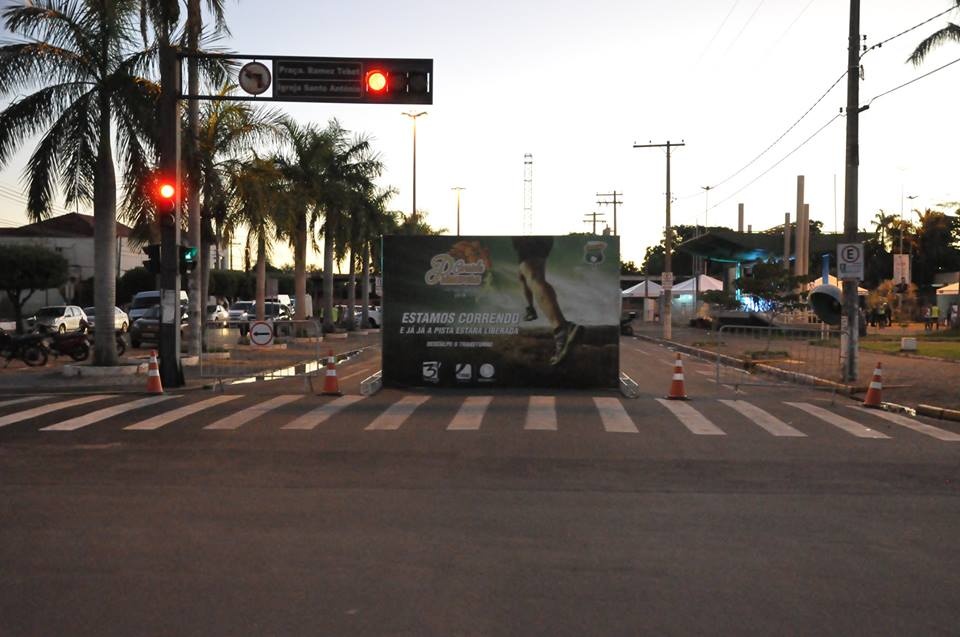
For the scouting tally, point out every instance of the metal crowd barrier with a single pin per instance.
(249, 353)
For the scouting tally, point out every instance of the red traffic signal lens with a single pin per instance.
(377, 81)
(167, 191)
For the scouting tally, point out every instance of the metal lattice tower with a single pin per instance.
(528, 193)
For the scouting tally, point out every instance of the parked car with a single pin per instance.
(147, 327)
(121, 322)
(143, 301)
(374, 317)
(241, 312)
(217, 315)
(59, 318)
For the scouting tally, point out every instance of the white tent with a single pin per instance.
(837, 283)
(704, 284)
(644, 288)
(953, 288)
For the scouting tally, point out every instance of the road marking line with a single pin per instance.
(316, 416)
(541, 413)
(850, 426)
(691, 418)
(107, 412)
(470, 414)
(176, 414)
(46, 409)
(764, 419)
(242, 417)
(365, 370)
(397, 413)
(910, 423)
(17, 401)
(614, 416)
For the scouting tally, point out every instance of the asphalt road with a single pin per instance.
(264, 511)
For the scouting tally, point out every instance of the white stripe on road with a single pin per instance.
(165, 419)
(107, 412)
(470, 414)
(614, 416)
(242, 417)
(315, 417)
(764, 419)
(910, 423)
(541, 413)
(397, 413)
(17, 401)
(46, 409)
(691, 418)
(836, 420)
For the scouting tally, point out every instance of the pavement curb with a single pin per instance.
(940, 413)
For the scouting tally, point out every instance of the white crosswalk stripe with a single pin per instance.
(541, 413)
(48, 408)
(850, 426)
(318, 415)
(242, 417)
(168, 417)
(17, 401)
(910, 423)
(397, 413)
(764, 419)
(86, 420)
(470, 414)
(691, 418)
(614, 416)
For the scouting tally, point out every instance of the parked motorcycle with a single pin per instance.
(74, 345)
(121, 342)
(27, 347)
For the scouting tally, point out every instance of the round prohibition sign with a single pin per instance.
(254, 78)
(261, 333)
(851, 254)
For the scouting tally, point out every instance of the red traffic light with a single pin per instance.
(376, 81)
(167, 191)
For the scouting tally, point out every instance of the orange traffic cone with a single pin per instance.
(677, 391)
(330, 385)
(873, 398)
(153, 375)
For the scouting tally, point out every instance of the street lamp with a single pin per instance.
(458, 189)
(414, 117)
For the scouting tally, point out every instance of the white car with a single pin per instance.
(217, 315)
(60, 318)
(241, 312)
(374, 317)
(121, 322)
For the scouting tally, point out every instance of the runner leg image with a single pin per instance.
(532, 252)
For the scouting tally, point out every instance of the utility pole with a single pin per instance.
(591, 217)
(459, 189)
(850, 195)
(413, 117)
(614, 203)
(667, 280)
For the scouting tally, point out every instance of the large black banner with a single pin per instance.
(501, 311)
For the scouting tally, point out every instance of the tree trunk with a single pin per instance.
(104, 242)
(351, 293)
(365, 285)
(195, 285)
(328, 274)
(261, 276)
(300, 267)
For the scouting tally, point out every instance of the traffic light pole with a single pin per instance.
(171, 372)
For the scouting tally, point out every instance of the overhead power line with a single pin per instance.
(906, 31)
(908, 83)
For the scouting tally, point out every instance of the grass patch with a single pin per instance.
(938, 349)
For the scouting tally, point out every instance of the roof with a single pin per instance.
(746, 247)
(69, 225)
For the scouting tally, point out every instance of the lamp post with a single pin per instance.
(414, 116)
(458, 189)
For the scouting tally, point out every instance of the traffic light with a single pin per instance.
(398, 81)
(188, 259)
(152, 264)
(165, 201)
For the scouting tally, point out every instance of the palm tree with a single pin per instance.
(257, 191)
(949, 33)
(883, 222)
(373, 224)
(91, 74)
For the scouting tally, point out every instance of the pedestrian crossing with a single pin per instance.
(543, 415)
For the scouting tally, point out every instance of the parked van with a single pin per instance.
(143, 301)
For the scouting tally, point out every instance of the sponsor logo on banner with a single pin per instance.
(593, 252)
(487, 372)
(431, 371)
(464, 372)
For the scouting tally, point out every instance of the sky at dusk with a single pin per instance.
(577, 84)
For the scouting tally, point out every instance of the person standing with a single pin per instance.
(935, 315)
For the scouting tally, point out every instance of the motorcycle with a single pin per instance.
(74, 345)
(27, 347)
(121, 342)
